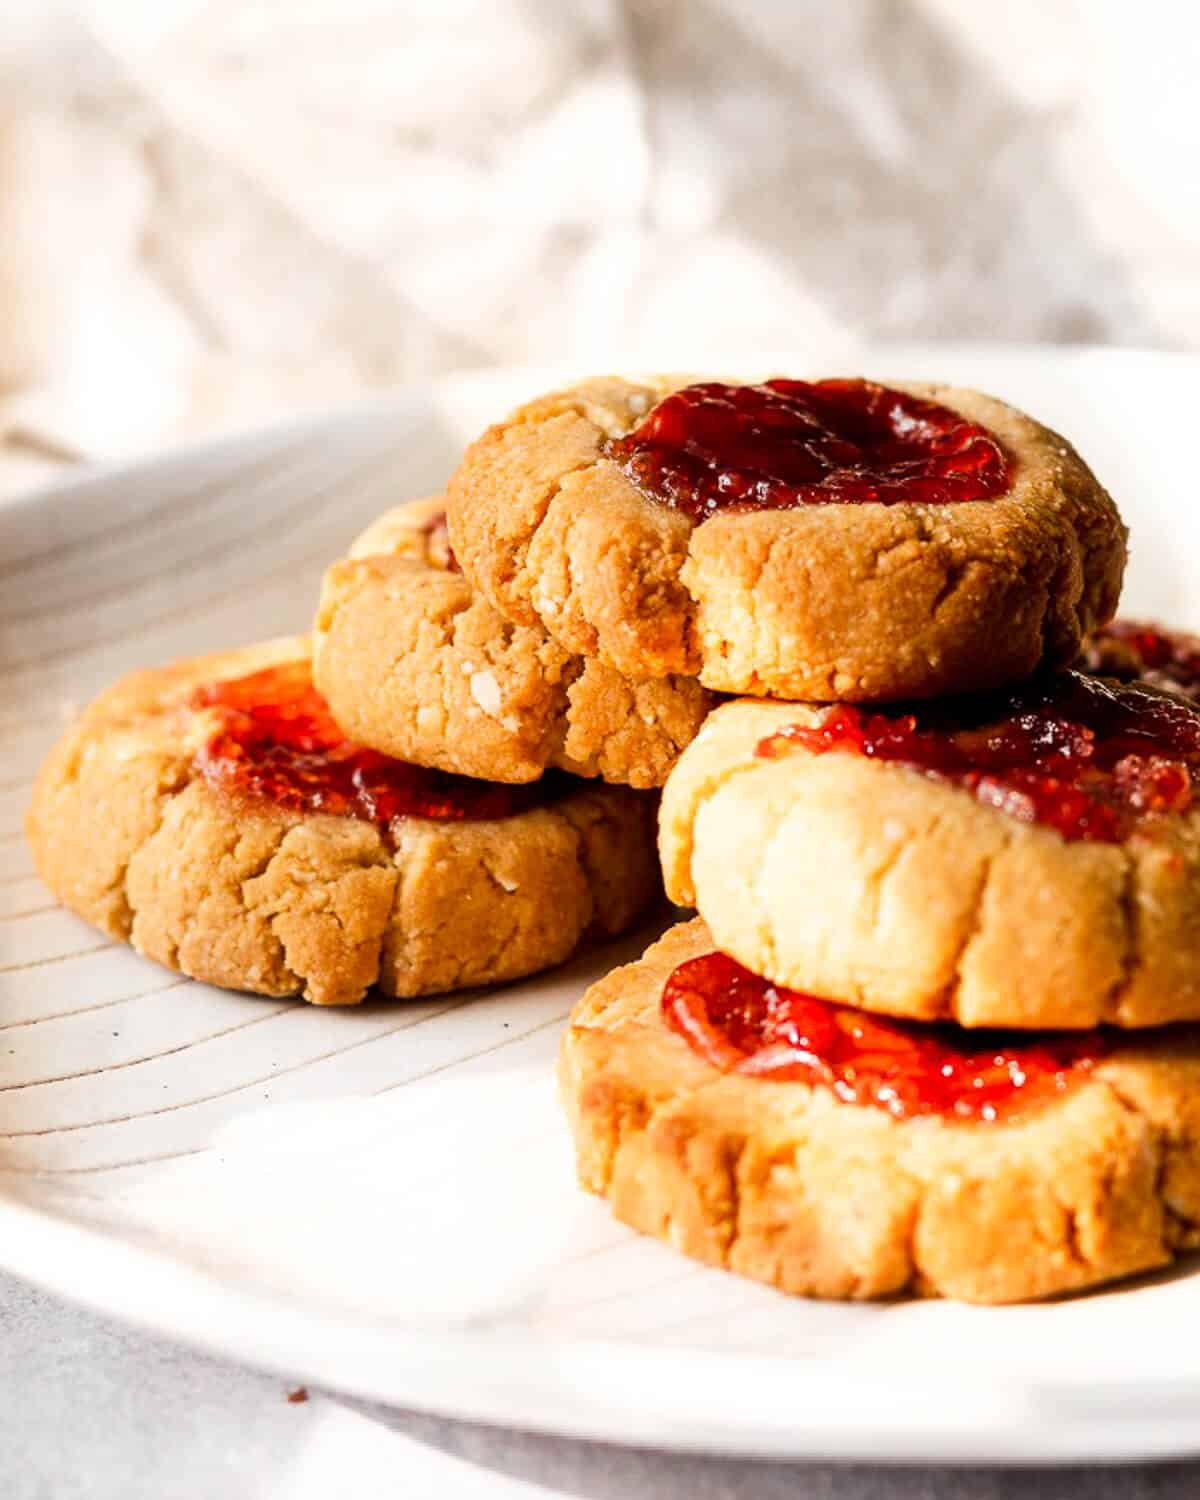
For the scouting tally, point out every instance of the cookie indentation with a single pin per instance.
(1090, 758)
(785, 443)
(1133, 651)
(746, 1025)
(276, 739)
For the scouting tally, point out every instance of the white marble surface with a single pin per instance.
(91, 1410)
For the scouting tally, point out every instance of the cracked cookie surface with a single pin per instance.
(872, 882)
(418, 665)
(244, 893)
(781, 1182)
(820, 602)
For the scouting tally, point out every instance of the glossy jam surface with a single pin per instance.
(743, 1024)
(1088, 757)
(786, 443)
(1136, 652)
(276, 739)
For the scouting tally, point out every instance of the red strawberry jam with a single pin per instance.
(1134, 652)
(276, 739)
(786, 443)
(1088, 757)
(743, 1024)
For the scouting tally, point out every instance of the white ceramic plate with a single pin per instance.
(381, 1199)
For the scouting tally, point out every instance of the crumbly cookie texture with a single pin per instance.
(868, 882)
(244, 894)
(782, 1183)
(821, 602)
(417, 664)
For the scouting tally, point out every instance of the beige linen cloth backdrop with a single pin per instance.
(218, 212)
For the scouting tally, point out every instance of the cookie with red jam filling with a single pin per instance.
(831, 540)
(215, 816)
(832, 1154)
(1027, 858)
(1138, 651)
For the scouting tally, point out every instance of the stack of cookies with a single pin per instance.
(935, 816)
(919, 1038)
(417, 798)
